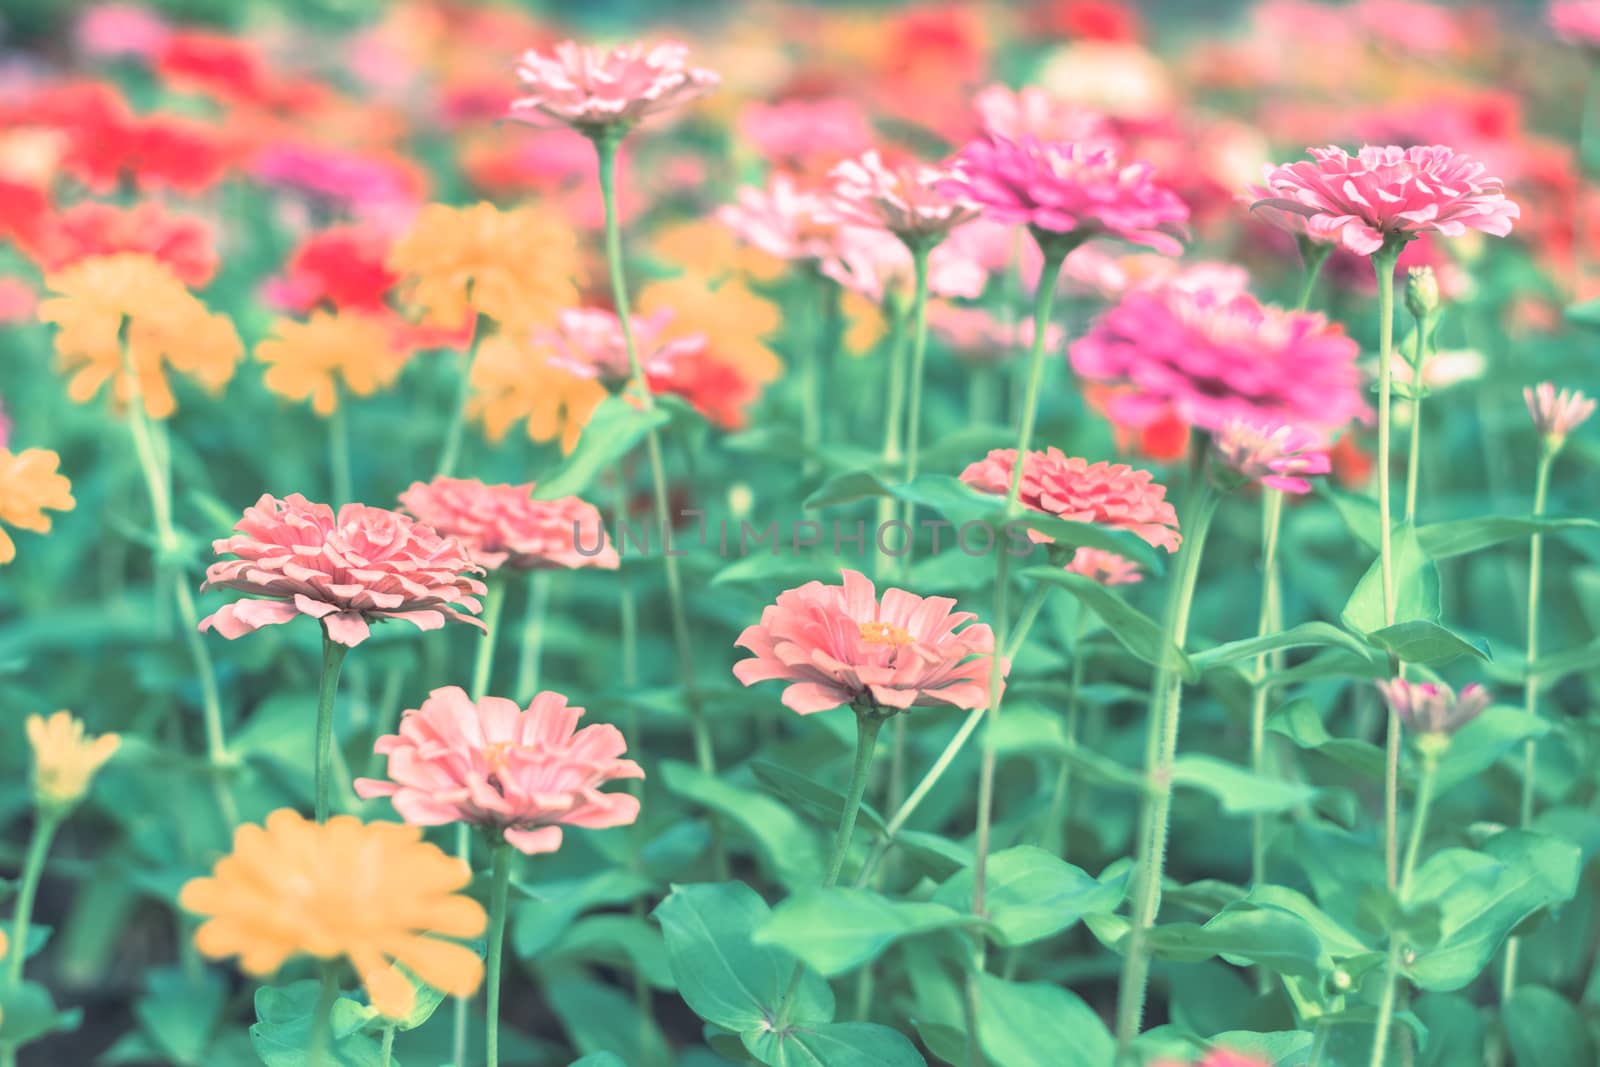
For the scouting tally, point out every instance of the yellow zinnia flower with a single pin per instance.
(65, 761)
(313, 360)
(513, 380)
(518, 267)
(734, 321)
(105, 302)
(709, 249)
(29, 483)
(372, 893)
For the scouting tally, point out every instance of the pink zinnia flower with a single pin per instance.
(519, 774)
(1114, 495)
(1433, 708)
(1032, 112)
(1577, 22)
(806, 133)
(1210, 355)
(1389, 193)
(591, 90)
(364, 564)
(977, 336)
(904, 200)
(1107, 568)
(1218, 1057)
(1058, 189)
(1273, 454)
(836, 645)
(109, 30)
(1554, 414)
(588, 342)
(502, 525)
(782, 220)
(874, 263)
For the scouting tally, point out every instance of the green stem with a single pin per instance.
(1391, 974)
(450, 451)
(1053, 836)
(333, 654)
(44, 831)
(494, 601)
(1383, 265)
(1166, 696)
(322, 1019)
(532, 643)
(388, 1047)
(1313, 255)
(497, 937)
(919, 350)
(605, 144)
(1414, 450)
(1030, 614)
(893, 427)
(1271, 521)
(1319, 1043)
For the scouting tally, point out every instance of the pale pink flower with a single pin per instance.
(978, 336)
(1210, 355)
(837, 644)
(1032, 112)
(782, 220)
(797, 133)
(875, 263)
(520, 774)
(1107, 568)
(1555, 415)
(588, 342)
(1389, 193)
(1274, 454)
(1113, 495)
(1433, 708)
(363, 564)
(116, 29)
(1577, 22)
(502, 525)
(590, 89)
(1056, 188)
(904, 200)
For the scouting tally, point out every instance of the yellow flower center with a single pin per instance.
(884, 633)
(498, 755)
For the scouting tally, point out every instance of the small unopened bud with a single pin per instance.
(65, 761)
(740, 500)
(1422, 292)
(1556, 414)
(1433, 711)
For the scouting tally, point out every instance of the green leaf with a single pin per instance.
(1546, 1030)
(179, 1015)
(1034, 1024)
(1238, 790)
(538, 923)
(1307, 634)
(1425, 642)
(837, 929)
(1299, 722)
(1277, 940)
(599, 1059)
(618, 940)
(28, 1012)
(1444, 540)
(611, 433)
(788, 844)
(721, 973)
(833, 1045)
(1455, 1030)
(1481, 743)
(284, 1018)
(1280, 1048)
(601, 1018)
(1482, 896)
(778, 568)
(1032, 894)
(1136, 631)
(821, 802)
(1416, 587)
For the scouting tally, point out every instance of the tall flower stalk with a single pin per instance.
(500, 884)
(1268, 620)
(333, 654)
(919, 349)
(1383, 264)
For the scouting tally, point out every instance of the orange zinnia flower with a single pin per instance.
(315, 360)
(518, 267)
(64, 760)
(29, 484)
(734, 322)
(105, 302)
(514, 380)
(375, 894)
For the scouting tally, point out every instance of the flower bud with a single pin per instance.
(1433, 711)
(1556, 414)
(1422, 292)
(65, 761)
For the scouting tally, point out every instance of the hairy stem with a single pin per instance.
(1391, 974)
(333, 654)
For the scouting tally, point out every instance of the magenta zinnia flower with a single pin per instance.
(1433, 708)
(1057, 188)
(588, 342)
(520, 774)
(904, 200)
(1114, 495)
(836, 645)
(367, 563)
(591, 89)
(502, 525)
(1210, 355)
(1554, 414)
(1032, 112)
(1388, 193)
(1274, 455)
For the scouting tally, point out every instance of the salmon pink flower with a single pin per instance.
(184, 243)
(837, 645)
(502, 525)
(782, 220)
(1555, 415)
(1208, 355)
(874, 264)
(805, 135)
(518, 774)
(1577, 22)
(1433, 708)
(365, 563)
(588, 342)
(1113, 495)
(904, 200)
(1273, 454)
(592, 90)
(1389, 194)
(1107, 568)
(1069, 193)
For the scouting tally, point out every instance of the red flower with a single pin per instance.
(713, 388)
(342, 267)
(182, 242)
(24, 212)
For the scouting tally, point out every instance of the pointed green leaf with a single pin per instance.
(1032, 894)
(1427, 643)
(1238, 790)
(838, 929)
(833, 1045)
(1306, 635)
(817, 800)
(1444, 540)
(1136, 631)
(1546, 1030)
(1036, 1024)
(611, 433)
(1416, 587)
(783, 838)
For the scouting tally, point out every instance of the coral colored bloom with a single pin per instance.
(1210, 355)
(518, 267)
(328, 356)
(342, 267)
(1056, 188)
(1555, 415)
(64, 760)
(30, 484)
(375, 894)
(1032, 112)
(588, 342)
(591, 90)
(1218, 1057)
(184, 243)
(782, 220)
(1107, 568)
(799, 134)
(1276, 455)
(104, 303)
(1113, 495)
(1389, 194)
(1433, 708)
(904, 200)
(837, 644)
(502, 525)
(520, 774)
(1577, 21)
(365, 563)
